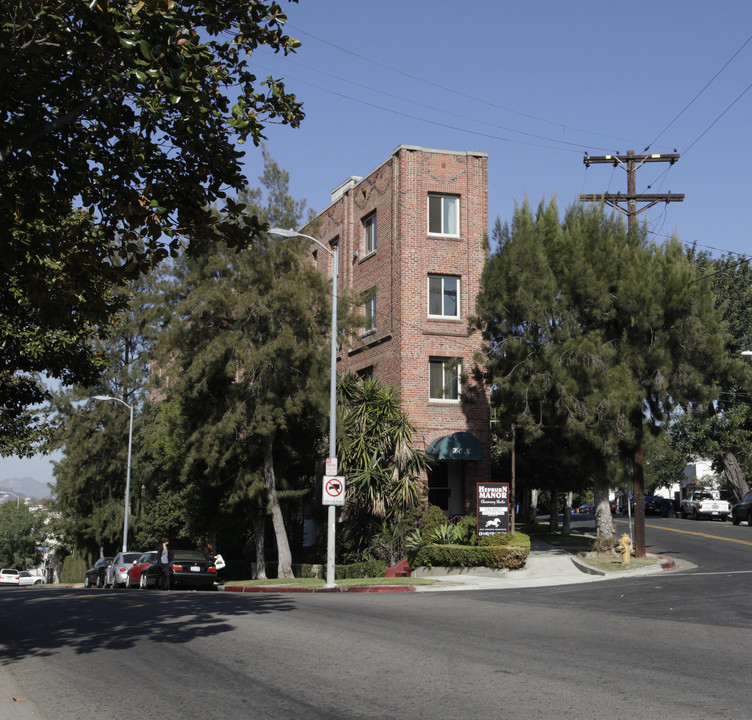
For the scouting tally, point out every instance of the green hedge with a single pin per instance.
(511, 557)
(74, 570)
(371, 568)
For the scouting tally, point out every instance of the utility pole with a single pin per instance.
(631, 162)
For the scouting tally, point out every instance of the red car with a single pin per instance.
(134, 572)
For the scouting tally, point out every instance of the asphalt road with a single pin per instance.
(676, 645)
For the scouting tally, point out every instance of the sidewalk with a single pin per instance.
(545, 566)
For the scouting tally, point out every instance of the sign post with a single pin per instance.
(492, 503)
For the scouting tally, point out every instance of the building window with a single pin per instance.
(366, 373)
(369, 234)
(369, 313)
(444, 215)
(444, 379)
(443, 296)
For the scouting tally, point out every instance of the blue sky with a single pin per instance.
(535, 85)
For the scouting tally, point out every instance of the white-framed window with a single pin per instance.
(369, 234)
(444, 215)
(444, 379)
(369, 314)
(444, 296)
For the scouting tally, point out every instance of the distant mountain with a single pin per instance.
(26, 486)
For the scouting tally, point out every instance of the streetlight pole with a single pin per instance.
(128, 470)
(279, 234)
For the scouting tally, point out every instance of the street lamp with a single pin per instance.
(128, 471)
(15, 495)
(281, 234)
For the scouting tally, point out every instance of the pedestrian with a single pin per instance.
(208, 552)
(164, 557)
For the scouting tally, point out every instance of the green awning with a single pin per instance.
(457, 446)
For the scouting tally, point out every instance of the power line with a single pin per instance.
(579, 146)
(459, 93)
(707, 85)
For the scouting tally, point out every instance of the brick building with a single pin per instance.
(412, 236)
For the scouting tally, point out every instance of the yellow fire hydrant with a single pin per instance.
(625, 548)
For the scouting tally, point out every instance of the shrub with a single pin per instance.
(369, 568)
(464, 529)
(511, 557)
(502, 539)
(74, 570)
(444, 534)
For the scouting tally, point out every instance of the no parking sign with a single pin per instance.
(333, 490)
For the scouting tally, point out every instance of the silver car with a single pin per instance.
(117, 573)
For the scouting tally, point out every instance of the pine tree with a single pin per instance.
(595, 334)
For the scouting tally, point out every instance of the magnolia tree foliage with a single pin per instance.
(596, 335)
(119, 127)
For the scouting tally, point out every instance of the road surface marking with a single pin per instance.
(693, 532)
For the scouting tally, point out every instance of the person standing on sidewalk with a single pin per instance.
(164, 557)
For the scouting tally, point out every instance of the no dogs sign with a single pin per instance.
(333, 490)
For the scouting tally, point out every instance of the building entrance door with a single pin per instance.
(445, 486)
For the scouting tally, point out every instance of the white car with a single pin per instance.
(26, 578)
(9, 576)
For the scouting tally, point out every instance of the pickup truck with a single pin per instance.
(705, 503)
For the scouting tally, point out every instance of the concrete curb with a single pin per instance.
(337, 589)
(664, 563)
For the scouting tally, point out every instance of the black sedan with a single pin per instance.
(743, 510)
(188, 569)
(95, 574)
(656, 505)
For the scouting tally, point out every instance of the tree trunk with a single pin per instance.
(566, 528)
(533, 514)
(284, 557)
(735, 475)
(553, 522)
(604, 523)
(258, 520)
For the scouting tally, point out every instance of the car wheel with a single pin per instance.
(142, 582)
(127, 585)
(735, 519)
(695, 514)
(100, 581)
(87, 582)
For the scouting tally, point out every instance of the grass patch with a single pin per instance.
(614, 564)
(316, 583)
(543, 532)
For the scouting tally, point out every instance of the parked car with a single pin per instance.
(9, 576)
(116, 575)
(26, 578)
(95, 574)
(135, 572)
(656, 505)
(742, 510)
(586, 508)
(188, 569)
